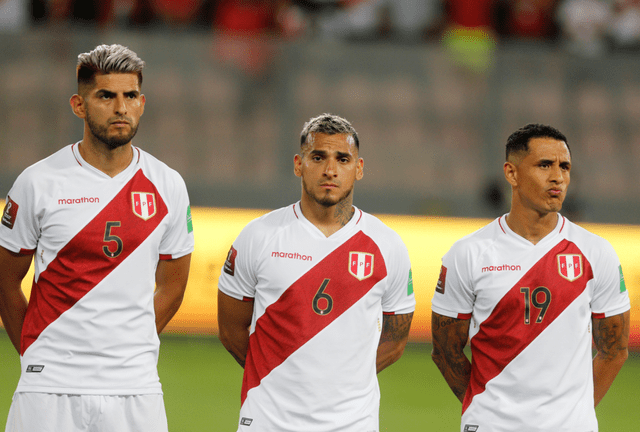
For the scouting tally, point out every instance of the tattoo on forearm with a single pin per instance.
(395, 327)
(610, 335)
(449, 339)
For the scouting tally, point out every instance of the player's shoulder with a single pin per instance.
(155, 166)
(47, 170)
(375, 228)
(586, 240)
(479, 240)
(270, 223)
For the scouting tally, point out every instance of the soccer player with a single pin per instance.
(316, 298)
(530, 290)
(104, 222)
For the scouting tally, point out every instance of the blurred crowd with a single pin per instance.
(586, 27)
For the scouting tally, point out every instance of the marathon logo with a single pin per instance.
(291, 255)
(471, 428)
(10, 213)
(35, 368)
(83, 200)
(501, 268)
(246, 421)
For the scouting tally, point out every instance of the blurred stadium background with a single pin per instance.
(433, 87)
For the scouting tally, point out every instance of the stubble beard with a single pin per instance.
(100, 132)
(326, 201)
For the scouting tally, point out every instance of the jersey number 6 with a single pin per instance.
(321, 295)
(108, 237)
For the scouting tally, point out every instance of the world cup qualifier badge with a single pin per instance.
(10, 213)
(471, 428)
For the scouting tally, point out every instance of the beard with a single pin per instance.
(100, 132)
(325, 200)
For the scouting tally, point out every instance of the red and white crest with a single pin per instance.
(360, 264)
(570, 266)
(144, 204)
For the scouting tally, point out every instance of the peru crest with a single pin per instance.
(144, 204)
(570, 266)
(360, 264)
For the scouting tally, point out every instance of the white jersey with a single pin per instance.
(530, 334)
(317, 319)
(90, 324)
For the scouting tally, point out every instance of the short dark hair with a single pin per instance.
(106, 59)
(519, 140)
(329, 124)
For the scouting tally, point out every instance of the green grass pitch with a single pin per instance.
(201, 382)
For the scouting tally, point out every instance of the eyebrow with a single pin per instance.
(110, 93)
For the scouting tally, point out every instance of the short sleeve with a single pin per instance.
(178, 240)
(453, 296)
(238, 278)
(610, 296)
(19, 230)
(399, 297)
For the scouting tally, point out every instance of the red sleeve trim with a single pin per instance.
(388, 313)
(27, 251)
(165, 257)
(598, 315)
(247, 299)
(464, 316)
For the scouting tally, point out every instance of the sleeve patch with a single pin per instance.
(189, 221)
(230, 263)
(10, 213)
(410, 284)
(441, 280)
(623, 286)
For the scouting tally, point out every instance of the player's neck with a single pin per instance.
(110, 161)
(328, 220)
(530, 224)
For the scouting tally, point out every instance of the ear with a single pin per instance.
(78, 106)
(511, 173)
(360, 169)
(297, 165)
(143, 100)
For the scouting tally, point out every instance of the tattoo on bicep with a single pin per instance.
(395, 327)
(609, 335)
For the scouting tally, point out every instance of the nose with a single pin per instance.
(120, 105)
(330, 167)
(556, 174)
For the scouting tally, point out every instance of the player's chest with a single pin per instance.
(321, 268)
(102, 220)
(532, 283)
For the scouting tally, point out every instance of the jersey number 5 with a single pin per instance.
(108, 237)
(533, 298)
(322, 302)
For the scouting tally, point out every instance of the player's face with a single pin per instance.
(112, 108)
(329, 166)
(542, 176)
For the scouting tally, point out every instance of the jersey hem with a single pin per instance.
(76, 391)
(449, 313)
(613, 312)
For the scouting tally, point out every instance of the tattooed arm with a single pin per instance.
(234, 321)
(450, 336)
(395, 332)
(611, 337)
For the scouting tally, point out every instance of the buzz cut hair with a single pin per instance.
(518, 142)
(107, 59)
(329, 124)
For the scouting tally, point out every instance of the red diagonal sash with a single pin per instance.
(291, 321)
(504, 334)
(82, 263)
